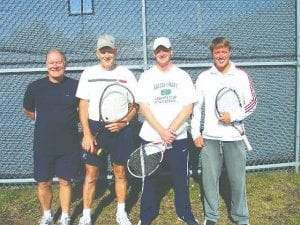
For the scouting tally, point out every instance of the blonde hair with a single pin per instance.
(219, 42)
(57, 50)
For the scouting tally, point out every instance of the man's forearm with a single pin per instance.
(83, 116)
(29, 114)
(181, 117)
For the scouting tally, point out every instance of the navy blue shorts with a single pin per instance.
(65, 166)
(119, 145)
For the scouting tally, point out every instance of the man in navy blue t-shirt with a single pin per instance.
(52, 103)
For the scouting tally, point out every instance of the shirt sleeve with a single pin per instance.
(83, 87)
(132, 82)
(141, 90)
(189, 95)
(197, 110)
(248, 98)
(28, 101)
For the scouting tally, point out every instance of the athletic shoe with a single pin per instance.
(191, 222)
(209, 222)
(85, 221)
(144, 223)
(65, 221)
(122, 219)
(46, 221)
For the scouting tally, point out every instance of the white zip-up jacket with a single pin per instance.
(208, 84)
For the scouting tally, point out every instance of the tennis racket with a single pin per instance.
(146, 159)
(227, 100)
(116, 102)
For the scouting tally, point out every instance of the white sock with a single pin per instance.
(121, 208)
(64, 215)
(86, 213)
(47, 213)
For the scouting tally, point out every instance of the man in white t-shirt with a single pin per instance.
(115, 138)
(166, 95)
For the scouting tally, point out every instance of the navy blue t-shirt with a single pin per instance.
(56, 123)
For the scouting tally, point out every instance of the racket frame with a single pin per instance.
(132, 105)
(100, 151)
(241, 132)
(143, 152)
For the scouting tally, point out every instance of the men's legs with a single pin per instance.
(235, 161)
(177, 159)
(120, 146)
(120, 182)
(211, 168)
(66, 168)
(65, 195)
(45, 194)
(149, 205)
(89, 189)
(121, 192)
(43, 173)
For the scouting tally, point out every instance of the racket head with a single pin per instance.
(227, 100)
(116, 102)
(145, 160)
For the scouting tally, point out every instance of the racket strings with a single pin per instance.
(143, 164)
(227, 101)
(115, 103)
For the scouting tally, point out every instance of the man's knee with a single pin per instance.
(45, 185)
(120, 172)
(91, 174)
(64, 183)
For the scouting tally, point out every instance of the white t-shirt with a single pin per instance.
(94, 79)
(166, 93)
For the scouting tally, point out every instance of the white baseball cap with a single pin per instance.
(161, 41)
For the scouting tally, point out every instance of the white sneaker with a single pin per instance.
(144, 223)
(65, 221)
(46, 221)
(122, 219)
(85, 221)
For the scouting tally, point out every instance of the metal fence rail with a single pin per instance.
(265, 37)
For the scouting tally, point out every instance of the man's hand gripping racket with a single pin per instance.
(226, 103)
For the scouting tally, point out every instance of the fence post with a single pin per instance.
(297, 86)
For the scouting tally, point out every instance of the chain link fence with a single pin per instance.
(263, 35)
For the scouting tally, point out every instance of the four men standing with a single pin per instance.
(167, 98)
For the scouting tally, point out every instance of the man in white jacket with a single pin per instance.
(221, 142)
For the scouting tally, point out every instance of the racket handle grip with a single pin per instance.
(99, 151)
(247, 143)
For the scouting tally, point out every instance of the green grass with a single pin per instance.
(273, 198)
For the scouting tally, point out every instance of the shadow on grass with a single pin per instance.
(135, 188)
(105, 193)
(103, 185)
